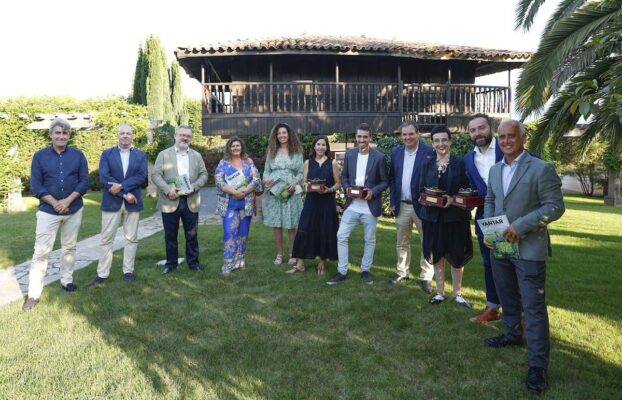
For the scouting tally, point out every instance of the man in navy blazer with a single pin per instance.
(528, 191)
(365, 167)
(404, 175)
(478, 163)
(122, 171)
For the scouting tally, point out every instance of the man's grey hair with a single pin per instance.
(128, 125)
(408, 123)
(513, 122)
(183, 126)
(62, 123)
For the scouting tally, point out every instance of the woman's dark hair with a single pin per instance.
(233, 139)
(440, 129)
(293, 143)
(315, 140)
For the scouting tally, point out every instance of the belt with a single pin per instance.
(407, 201)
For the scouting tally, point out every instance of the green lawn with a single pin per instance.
(18, 229)
(263, 334)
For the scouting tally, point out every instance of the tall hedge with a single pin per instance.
(107, 113)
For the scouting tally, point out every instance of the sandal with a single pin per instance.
(321, 268)
(460, 300)
(437, 299)
(295, 269)
(279, 259)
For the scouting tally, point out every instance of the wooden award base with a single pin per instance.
(468, 202)
(357, 192)
(430, 200)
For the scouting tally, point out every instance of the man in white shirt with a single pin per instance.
(179, 201)
(122, 171)
(404, 175)
(478, 163)
(363, 167)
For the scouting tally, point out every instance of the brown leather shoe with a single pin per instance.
(488, 315)
(29, 303)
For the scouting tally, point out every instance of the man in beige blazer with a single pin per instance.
(179, 173)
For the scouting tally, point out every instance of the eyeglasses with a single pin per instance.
(440, 140)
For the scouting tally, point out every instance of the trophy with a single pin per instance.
(468, 199)
(357, 192)
(433, 196)
(316, 185)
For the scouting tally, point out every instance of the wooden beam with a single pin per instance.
(400, 88)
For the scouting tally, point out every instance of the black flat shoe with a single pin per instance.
(395, 279)
(167, 270)
(502, 341)
(69, 288)
(536, 380)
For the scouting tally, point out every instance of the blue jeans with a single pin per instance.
(492, 298)
(521, 286)
(349, 221)
(190, 220)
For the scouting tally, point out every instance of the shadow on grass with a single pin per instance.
(263, 334)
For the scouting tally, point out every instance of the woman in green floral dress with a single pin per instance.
(282, 177)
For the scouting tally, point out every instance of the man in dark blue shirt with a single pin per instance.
(59, 177)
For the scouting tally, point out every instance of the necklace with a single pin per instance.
(441, 165)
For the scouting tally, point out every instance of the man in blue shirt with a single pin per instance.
(59, 177)
(122, 171)
(404, 174)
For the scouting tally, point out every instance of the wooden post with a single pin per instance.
(400, 90)
(509, 90)
(337, 86)
(271, 89)
(448, 90)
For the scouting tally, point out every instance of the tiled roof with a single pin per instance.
(352, 44)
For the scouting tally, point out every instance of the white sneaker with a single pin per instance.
(460, 300)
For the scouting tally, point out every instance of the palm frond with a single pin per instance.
(559, 118)
(576, 62)
(563, 10)
(572, 32)
(526, 11)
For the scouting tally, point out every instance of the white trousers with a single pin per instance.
(110, 223)
(47, 226)
(404, 224)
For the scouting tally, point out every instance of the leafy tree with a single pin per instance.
(577, 71)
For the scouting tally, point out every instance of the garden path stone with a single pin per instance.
(14, 280)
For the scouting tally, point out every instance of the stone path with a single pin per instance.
(14, 280)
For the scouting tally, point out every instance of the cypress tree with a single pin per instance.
(166, 89)
(180, 112)
(139, 86)
(156, 84)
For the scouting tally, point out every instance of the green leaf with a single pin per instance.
(584, 109)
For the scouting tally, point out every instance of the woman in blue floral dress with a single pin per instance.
(282, 178)
(236, 180)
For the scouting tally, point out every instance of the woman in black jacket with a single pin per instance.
(446, 230)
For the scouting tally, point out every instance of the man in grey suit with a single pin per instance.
(175, 164)
(528, 191)
(362, 167)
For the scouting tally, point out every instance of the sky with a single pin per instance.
(88, 48)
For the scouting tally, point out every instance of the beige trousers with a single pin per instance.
(404, 223)
(110, 223)
(47, 226)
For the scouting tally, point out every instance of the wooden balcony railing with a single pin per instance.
(340, 97)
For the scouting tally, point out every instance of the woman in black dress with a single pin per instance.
(446, 230)
(316, 236)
